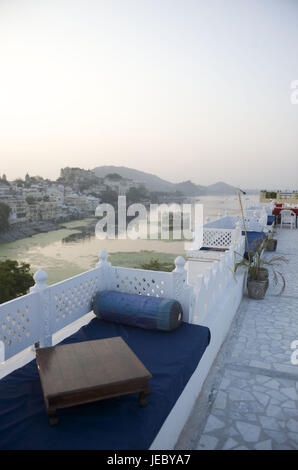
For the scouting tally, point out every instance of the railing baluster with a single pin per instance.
(42, 289)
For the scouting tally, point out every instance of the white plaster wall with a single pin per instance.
(219, 322)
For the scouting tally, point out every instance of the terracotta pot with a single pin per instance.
(257, 289)
(271, 245)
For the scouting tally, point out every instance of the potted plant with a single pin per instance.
(257, 266)
(270, 242)
(258, 273)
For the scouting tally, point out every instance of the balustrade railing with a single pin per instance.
(35, 317)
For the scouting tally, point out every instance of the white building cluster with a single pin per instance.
(76, 193)
(44, 201)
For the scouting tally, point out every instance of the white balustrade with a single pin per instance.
(213, 285)
(211, 300)
(220, 234)
(20, 324)
(35, 317)
(256, 218)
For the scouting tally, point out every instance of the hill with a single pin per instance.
(220, 188)
(152, 182)
(190, 189)
(155, 183)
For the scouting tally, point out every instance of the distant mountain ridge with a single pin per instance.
(155, 183)
(220, 188)
(152, 182)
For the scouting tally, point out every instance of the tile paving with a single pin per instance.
(250, 397)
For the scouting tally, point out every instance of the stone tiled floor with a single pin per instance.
(250, 397)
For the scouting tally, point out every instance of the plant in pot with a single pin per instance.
(270, 243)
(257, 266)
(258, 273)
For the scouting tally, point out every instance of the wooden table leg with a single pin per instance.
(143, 395)
(52, 417)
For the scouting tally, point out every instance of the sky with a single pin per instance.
(184, 89)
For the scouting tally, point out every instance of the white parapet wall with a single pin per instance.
(50, 313)
(218, 319)
(216, 296)
(1, 352)
(47, 310)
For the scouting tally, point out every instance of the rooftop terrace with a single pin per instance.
(244, 391)
(250, 397)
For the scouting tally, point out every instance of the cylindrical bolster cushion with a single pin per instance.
(152, 313)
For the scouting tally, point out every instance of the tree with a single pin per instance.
(4, 217)
(109, 196)
(3, 180)
(156, 265)
(114, 177)
(136, 195)
(19, 182)
(83, 185)
(30, 200)
(15, 279)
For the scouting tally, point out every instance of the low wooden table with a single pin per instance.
(78, 373)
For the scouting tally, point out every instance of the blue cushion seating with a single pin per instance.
(112, 424)
(138, 310)
(254, 238)
(270, 219)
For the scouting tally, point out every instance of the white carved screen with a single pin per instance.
(20, 323)
(71, 299)
(218, 238)
(143, 282)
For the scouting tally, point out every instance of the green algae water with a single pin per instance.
(62, 256)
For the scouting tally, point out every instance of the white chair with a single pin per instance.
(287, 217)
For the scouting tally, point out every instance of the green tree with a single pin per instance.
(4, 217)
(155, 265)
(30, 200)
(271, 195)
(15, 279)
(19, 182)
(110, 197)
(137, 195)
(114, 177)
(3, 180)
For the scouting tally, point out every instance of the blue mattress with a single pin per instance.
(270, 219)
(112, 424)
(253, 238)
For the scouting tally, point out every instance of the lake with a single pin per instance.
(62, 260)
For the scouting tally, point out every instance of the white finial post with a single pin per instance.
(179, 263)
(106, 270)
(40, 278)
(41, 287)
(182, 291)
(219, 215)
(103, 258)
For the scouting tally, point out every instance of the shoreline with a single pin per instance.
(27, 230)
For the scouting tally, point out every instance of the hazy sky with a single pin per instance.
(186, 89)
